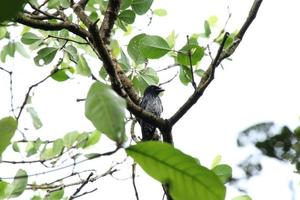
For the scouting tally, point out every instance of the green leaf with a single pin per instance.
(72, 53)
(92, 139)
(17, 187)
(124, 62)
(10, 9)
(125, 4)
(146, 77)
(60, 75)
(11, 49)
(160, 12)
(196, 51)
(153, 47)
(8, 126)
(207, 30)
(242, 197)
(185, 75)
(106, 110)
(21, 50)
(45, 56)
(91, 156)
(186, 178)
(133, 49)
(3, 32)
(224, 172)
(56, 195)
(15, 147)
(127, 16)
(32, 147)
(82, 67)
(53, 4)
(115, 48)
(81, 140)
(35, 118)
(3, 186)
(70, 138)
(3, 54)
(216, 161)
(199, 72)
(171, 39)
(212, 20)
(30, 38)
(35, 197)
(56, 149)
(140, 7)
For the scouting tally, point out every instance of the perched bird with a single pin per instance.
(151, 103)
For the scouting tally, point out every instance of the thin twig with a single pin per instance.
(168, 81)
(73, 196)
(133, 136)
(168, 67)
(66, 39)
(133, 181)
(10, 89)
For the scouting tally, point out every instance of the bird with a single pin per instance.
(151, 103)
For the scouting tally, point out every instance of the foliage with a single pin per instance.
(67, 38)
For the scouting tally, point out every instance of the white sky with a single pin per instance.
(261, 83)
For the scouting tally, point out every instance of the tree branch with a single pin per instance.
(108, 22)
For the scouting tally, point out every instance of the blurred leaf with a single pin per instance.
(3, 186)
(60, 75)
(17, 187)
(21, 50)
(82, 67)
(216, 161)
(15, 147)
(53, 4)
(160, 12)
(153, 47)
(35, 118)
(207, 30)
(56, 195)
(125, 4)
(55, 150)
(46, 55)
(212, 20)
(10, 9)
(224, 172)
(196, 51)
(30, 38)
(185, 75)
(171, 39)
(127, 16)
(92, 139)
(72, 53)
(102, 73)
(8, 126)
(106, 110)
(242, 197)
(11, 49)
(3, 54)
(81, 140)
(70, 138)
(146, 77)
(133, 49)
(35, 197)
(115, 48)
(180, 171)
(3, 32)
(32, 147)
(199, 72)
(124, 62)
(140, 7)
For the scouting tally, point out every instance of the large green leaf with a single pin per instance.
(3, 186)
(8, 126)
(125, 4)
(153, 47)
(186, 178)
(145, 78)
(196, 54)
(45, 56)
(140, 7)
(17, 187)
(82, 66)
(133, 49)
(106, 110)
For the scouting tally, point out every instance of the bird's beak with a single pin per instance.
(160, 90)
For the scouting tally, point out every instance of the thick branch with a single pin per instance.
(209, 74)
(47, 26)
(110, 17)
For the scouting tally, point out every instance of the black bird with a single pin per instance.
(151, 103)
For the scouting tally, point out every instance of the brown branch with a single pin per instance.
(66, 39)
(209, 73)
(10, 73)
(46, 14)
(110, 17)
(49, 26)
